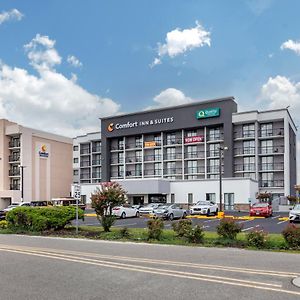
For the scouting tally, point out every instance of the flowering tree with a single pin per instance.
(104, 199)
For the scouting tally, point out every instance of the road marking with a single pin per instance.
(242, 222)
(124, 225)
(282, 222)
(246, 229)
(276, 217)
(205, 226)
(163, 262)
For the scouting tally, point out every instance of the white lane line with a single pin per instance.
(242, 222)
(205, 226)
(246, 229)
(281, 222)
(124, 225)
(276, 217)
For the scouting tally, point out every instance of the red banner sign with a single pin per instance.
(194, 139)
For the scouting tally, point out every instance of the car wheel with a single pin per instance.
(171, 217)
(208, 213)
(216, 213)
(184, 215)
(123, 215)
(137, 214)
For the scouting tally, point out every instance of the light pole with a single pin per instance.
(221, 150)
(22, 182)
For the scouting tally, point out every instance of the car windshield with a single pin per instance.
(297, 207)
(260, 205)
(202, 203)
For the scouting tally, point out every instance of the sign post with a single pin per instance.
(77, 197)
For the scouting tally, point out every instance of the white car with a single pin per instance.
(204, 208)
(170, 212)
(148, 209)
(125, 211)
(294, 214)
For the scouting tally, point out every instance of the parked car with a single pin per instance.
(294, 214)
(125, 211)
(148, 209)
(4, 211)
(261, 210)
(204, 208)
(170, 211)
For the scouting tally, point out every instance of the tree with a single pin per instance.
(104, 199)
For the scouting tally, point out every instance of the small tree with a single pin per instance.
(104, 199)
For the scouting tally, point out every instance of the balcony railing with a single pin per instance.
(172, 171)
(215, 137)
(213, 153)
(15, 187)
(96, 149)
(134, 173)
(117, 147)
(271, 150)
(85, 164)
(244, 134)
(85, 151)
(195, 170)
(15, 172)
(133, 159)
(96, 162)
(117, 174)
(14, 144)
(271, 167)
(214, 169)
(244, 167)
(96, 175)
(153, 172)
(173, 141)
(14, 158)
(172, 156)
(271, 183)
(136, 145)
(271, 132)
(152, 158)
(194, 154)
(85, 176)
(117, 161)
(244, 151)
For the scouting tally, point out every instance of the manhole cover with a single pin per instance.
(296, 282)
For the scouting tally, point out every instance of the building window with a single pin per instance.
(267, 163)
(171, 168)
(75, 148)
(267, 147)
(214, 134)
(157, 154)
(191, 133)
(213, 166)
(138, 156)
(266, 129)
(172, 198)
(157, 140)
(120, 171)
(249, 147)
(171, 138)
(157, 169)
(138, 170)
(250, 175)
(248, 131)
(190, 198)
(192, 152)
(75, 160)
(267, 179)
(229, 201)
(171, 153)
(120, 144)
(249, 163)
(75, 172)
(138, 142)
(192, 167)
(120, 157)
(214, 150)
(211, 197)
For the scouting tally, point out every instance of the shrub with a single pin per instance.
(228, 229)
(3, 224)
(155, 228)
(291, 235)
(196, 235)
(257, 239)
(182, 227)
(41, 218)
(124, 232)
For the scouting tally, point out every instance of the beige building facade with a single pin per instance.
(34, 165)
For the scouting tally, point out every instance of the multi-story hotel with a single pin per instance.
(173, 154)
(34, 165)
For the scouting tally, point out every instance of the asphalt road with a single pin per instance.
(52, 268)
(270, 225)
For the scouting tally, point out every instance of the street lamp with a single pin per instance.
(22, 182)
(221, 150)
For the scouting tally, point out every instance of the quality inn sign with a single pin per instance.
(208, 113)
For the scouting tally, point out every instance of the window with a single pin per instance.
(157, 140)
(213, 176)
(120, 144)
(190, 198)
(250, 175)
(75, 172)
(267, 163)
(171, 153)
(266, 147)
(214, 150)
(138, 142)
(192, 167)
(172, 198)
(229, 201)
(157, 154)
(138, 170)
(267, 179)
(75, 160)
(138, 156)
(191, 133)
(191, 151)
(249, 147)
(120, 171)
(248, 130)
(171, 138)
(266, 129)
(157, 169)
(75, 148)
(214, 134)
(171, 168)
(213, 166)
(120, 157)
(211, 197)
(249, 163)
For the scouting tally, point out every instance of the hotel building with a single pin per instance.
(34, 165)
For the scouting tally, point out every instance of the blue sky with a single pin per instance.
(115, 43)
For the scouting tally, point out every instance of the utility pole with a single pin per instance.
(221, 151)
(22, 182)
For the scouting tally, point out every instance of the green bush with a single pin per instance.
(228, 229)
(124, 232)
(41, 218)
(291, 235)
(257, 239)
(182, 227)
(155, 228)
(107, 222)
(3, 224)
(196, 235)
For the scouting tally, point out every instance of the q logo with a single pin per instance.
(110, 127)
(201, 113)
(44, 148)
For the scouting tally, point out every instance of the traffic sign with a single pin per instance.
(77, 192)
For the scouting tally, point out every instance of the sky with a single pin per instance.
(65, 64)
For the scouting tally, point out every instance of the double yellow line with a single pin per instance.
(121, 262)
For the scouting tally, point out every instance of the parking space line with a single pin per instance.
(282, 222)
(276, 217)
(124, 225)
(246, 229)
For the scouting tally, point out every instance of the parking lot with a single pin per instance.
(273, 224)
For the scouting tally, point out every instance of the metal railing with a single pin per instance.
(244, 134)
(244, 151)
(14, 172)
(15, 187)
(271, 166)
(271, 183)
(244, 167)
(194, 154)
(271, 132)
(173, 171)
(85, 151)
(85, 164)
(96, 162)
(214, 137)
(14, 144)
(96, 175)
(173, 141)
(194, 170)
(153, 172)
(152, 157)
(13, 158)
(271, 150)
(133, 159)
(96, 149)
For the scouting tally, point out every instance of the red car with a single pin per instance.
(261, 210)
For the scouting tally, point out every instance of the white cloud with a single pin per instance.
(49, 100)
(170, 97)
(41, 53)
(291, 45)
(13, 14)
(180, 41)
(74, 61)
